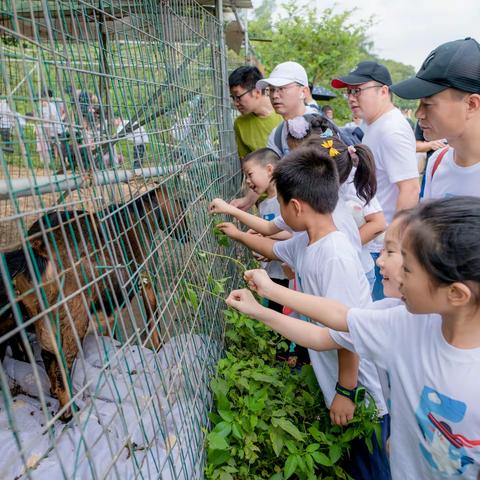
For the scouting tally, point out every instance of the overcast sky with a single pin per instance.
(407, 30)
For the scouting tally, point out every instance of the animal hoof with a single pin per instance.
(67, 415)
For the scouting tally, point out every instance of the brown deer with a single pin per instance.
(81, 262)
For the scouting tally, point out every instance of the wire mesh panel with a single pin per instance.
(115, 134)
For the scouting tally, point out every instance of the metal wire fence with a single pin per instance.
(116, 133)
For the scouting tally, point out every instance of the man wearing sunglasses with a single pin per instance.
(256, 121)
(390, 138)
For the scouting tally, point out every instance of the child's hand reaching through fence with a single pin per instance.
(229, 229)
(244, 301)
(217, 205)
(259, 281)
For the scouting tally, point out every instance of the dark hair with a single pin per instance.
(262, 156)
(246, 77)
(444, 236)
(308, 175)
(364, 180)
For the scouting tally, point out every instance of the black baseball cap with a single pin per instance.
(451, 65)
(364, 72)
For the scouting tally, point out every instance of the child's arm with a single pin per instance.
(302, 333)
(342, 408)
(257, 243)
(247, 201)
(283, 235)
(265, 227)
(330, 313)
(374, 225)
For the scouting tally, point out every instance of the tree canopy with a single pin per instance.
(326, 42)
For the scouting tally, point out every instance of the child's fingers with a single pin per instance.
(250, 274)
(232, 299)
(338, 419)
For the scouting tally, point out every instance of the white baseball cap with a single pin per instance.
(283, 74)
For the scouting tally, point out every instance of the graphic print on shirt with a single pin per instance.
(268, 216)
(447, 452)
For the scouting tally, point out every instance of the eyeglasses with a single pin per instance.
(237, 98)
(281, 90)
(357, 91)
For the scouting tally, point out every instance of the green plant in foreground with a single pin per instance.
(269, 422)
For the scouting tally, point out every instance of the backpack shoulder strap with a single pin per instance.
(437, 161)
(277, 138)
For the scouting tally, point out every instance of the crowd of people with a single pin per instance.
(62, 141)
(380, 283)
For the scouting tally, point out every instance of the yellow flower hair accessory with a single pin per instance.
(328, 144)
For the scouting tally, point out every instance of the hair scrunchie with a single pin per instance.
(352, 151)
(298, 127)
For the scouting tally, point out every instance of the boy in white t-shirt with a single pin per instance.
(448, 86)
(325, 263)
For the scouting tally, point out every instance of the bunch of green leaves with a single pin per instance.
(221, 238)
(269, 422)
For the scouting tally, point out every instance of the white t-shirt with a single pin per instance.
(268, 210)
(139, 136)
(344, 221)
(450, 179)
(392, 142)
(53, 124)
(6, 115)
(330, 268)
(360, 210)
(271, 137)
(435, 393)
(345, 340)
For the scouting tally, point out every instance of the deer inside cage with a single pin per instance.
(115, 134)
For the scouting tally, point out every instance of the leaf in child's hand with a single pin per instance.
(222, 239)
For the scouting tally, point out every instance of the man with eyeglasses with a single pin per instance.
(287, 86)
(391, 140)
(256, 121)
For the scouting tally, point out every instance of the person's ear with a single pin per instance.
(459, 294)
(303, 94)
(270, 169)
(256, 93)
(297, 207)
(473, 103)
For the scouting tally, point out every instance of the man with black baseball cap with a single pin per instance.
(391, 140)
(448, 86)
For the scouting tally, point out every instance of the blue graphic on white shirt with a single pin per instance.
(268, 216)
(446, 452)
